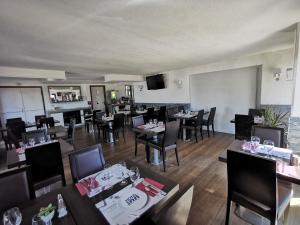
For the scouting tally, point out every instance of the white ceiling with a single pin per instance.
(95, 37)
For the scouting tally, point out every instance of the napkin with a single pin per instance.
(84, 185)
(81, 189)
(152, 192)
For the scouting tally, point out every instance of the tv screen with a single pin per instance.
(155, 82)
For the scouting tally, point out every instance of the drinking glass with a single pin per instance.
(123, 164)
(36, 220)
(254, 142)
(31, 141)
(12, 216)
(155, 121)
(108, 173)
(268, 145)
(134, 175)
(42, 140)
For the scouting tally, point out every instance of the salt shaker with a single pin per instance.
(61, 207)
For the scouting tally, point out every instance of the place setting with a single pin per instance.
(132, 201)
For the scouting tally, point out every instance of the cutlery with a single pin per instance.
(146, 184)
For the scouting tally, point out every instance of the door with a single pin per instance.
(98, 97)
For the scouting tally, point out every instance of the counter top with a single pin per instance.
(66, 110)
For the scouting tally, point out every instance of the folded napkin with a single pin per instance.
(152, 192)
(277, 152)
(84, 186)
(20, 150)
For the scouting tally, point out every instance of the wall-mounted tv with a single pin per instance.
(155, 82)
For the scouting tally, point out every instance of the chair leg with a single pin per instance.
(177, 156)
(124, 135)
(286, 215)
(196, 134)
(201, 133)
(213, 128)
(164, 156)
(207, 130)
(227, 221)
(135, 152)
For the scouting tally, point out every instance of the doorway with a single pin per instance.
(98, 97)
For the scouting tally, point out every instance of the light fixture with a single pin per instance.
(277, 73)
(178, 83)
(141, 87)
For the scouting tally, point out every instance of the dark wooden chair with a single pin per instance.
(99, 123)
(12, 120)
(195, 124)
(210, 120)
(256, 112)
(15, 129)
(167, 142)
(176, 210)
(70, 137)
(38, 122)
(253, 184)
(15, 187)
(86, 162)
(48, 121)
(170, 113)
(150, 115)
(35, 134)
(139, 138)
(243, 126)
(118, 124)
(181, 108)
(46, 164)
(275, 134)
(88, 119)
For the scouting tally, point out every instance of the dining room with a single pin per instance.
(150, 112)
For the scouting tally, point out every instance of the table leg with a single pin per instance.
(183, 130)
(148, 154)
(156, 155)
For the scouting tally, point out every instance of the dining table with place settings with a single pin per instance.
(133, 203)
(288, 164)
(152, 130)
(185, 116)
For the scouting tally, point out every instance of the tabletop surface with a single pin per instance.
(284, 171)
(82, 210)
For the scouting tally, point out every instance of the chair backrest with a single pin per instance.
(119, 120)
(35, 134)
(38, 122)
(212, 114)
(49, 121)
(150, 112)
(256, 112)
(99, 115)
(15, 187)
(45, 161)
(252, 178)
(200, 117)
(171, 133)
(86, 162)
(181, 108)
(243, 125)
(137, 121)
(11, 120)
(171, 112)
(269, 133)
(16, 129)
(71, 129)
(176, 210)
(87, 111)
(162, 113)
(144, 107)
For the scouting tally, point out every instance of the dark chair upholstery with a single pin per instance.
(86, 162)
(118, 124)
(88, 119)
(168, 141)
(195, 124)
(252, 183)
(269, 133)
(100, 124)
(12, 120)
(38, 122)
(35, 134)
(15, 187)
(71, 132)
(48, 121)
(139, 138)
(210, 120)
(256, 112)
(14, 133)
(162, 114)
(150, 115)
(171, 112)
(176, 210)
(181, 108)
(243, 126)
(46, 164)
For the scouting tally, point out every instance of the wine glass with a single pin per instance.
(254, 142)
(123, 167)
(42, 140)
(12, 216)
(108, 173)
(155, 121)
(134, 175)
(31, 141)
(36, 220)
(268, 145)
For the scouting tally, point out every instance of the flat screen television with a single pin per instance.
(155, 82)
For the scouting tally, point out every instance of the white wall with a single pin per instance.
(231, 91)
(273, 92)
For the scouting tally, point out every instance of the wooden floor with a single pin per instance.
(198, 165)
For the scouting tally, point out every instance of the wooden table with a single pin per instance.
(151, 133)
(82, 210)
(184, 117)
(13, 159)
(284, 171)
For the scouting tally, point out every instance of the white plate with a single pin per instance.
(134, 199)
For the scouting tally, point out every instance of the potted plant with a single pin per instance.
(274, 119)
(47, 214)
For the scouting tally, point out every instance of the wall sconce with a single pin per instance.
(277, 73)
(141, 87)
(178, 83)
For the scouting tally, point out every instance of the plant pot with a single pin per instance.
(48, 219)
